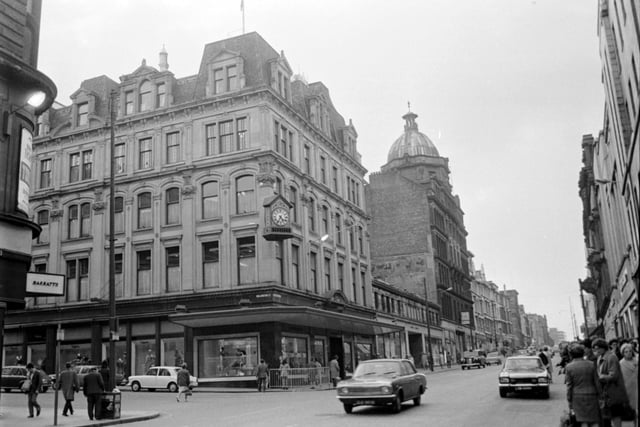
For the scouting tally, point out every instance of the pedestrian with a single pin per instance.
(629, 369)
(68, 384)
(547, 352)
(262, 374)
(284, 374)
(93, 386)
(184, 378)
(334, 370)
(614, 346)
(613, 397)
(318, 371)
(588, 350)
(582, 388)
(33, 376)
(105, 373)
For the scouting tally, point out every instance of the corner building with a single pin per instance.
(418, 239)
(239, 221)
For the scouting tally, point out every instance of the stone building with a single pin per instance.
(239, 221)
(418, 239)
(608, 184)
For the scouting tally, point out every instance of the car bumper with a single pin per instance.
(375, 400)
(524, 387)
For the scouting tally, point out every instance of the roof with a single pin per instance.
(412, 142)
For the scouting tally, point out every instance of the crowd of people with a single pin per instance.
(602, 381)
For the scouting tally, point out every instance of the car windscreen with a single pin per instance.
(381, 368)
(523, 364)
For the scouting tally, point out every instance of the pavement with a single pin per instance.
(11, 416)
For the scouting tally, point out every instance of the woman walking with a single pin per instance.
(582, 388)
(613, 395)
(629, 369)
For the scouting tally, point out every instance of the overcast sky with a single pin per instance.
(505, 89)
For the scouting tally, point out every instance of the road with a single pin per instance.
(454, 398)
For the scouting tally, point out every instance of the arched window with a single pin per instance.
(73, 229)
(210, 200)
(146, 98)
(43, 222)
(245, 194)
(144, 210)
(172, 202)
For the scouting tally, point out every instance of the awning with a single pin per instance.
(298, 315)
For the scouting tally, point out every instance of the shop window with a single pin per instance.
(227, 357)
(295, 351)
(144, 356)
(172, 352)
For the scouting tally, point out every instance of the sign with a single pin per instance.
(45, 284)
(464, 318)
(24, 178)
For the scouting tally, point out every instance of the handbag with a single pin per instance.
(628, 413)
(25, 386)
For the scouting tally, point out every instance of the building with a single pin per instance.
(239, 221)
(511, 300)
(557, 336)
(418, 239)
(608, 183)
(539, 330)
(24, 93)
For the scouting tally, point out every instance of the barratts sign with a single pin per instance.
(45, 284)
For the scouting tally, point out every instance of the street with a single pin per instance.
(454, 398)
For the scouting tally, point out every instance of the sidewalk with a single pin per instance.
(18, 417)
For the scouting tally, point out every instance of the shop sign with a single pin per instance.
(45, 284)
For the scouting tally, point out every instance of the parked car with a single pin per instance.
(524, 374)
(83, 370)
(473, 359)
(14, 376)
(382, 382)
(493, 358)
(159, 377)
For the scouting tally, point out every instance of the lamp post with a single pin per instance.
(426, 302)
(113, 322)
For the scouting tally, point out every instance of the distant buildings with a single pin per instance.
(608, 182)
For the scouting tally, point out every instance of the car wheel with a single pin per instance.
(173, 387)
(397, 404)
(348, 408)
(503, 393)
(135, 386)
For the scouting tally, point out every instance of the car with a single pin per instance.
(14, 376)
(524, 374)
(493, 358)
(159, 377)
(83, 370)
(382, 382)
(473, 359)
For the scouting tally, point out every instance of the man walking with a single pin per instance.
(261, 375)
(32, 394)
(334, 370)
(68, 384)
(184, 378)
(93, 387)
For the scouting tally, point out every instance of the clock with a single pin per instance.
(280, 217)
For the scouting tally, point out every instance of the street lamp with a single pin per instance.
(426, 301)
(113, 321)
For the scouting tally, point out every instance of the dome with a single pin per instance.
(412, 142)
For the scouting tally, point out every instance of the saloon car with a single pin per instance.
(382, 382)
(14, 376)
(493, 358)
(159, 377)
(473, 359)
(524, 374)
(83, 370)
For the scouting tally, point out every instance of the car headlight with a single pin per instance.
(385, 389)
(343, 390)
(504, 380)
(543, 380)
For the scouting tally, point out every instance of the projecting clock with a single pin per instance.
(280, 217)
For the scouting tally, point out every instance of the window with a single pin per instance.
(85, 220)
(226, 136)
(293, 199)
(173, 206)
(327, 274)
(323, 170)
(77, 279)
(146, 99)
(173, 147)
(241, 133)
(128, 102)
(220, 136)
(160, 95)
(363, 285)
(341, 275)
(211, 264)
(225, 79)
(173, 269)
(144, 153)
(45, 173)
(218, 80)
(79, 226)
(325, 220)
(360, 240)
(144, 210)
(307, 160)
(210, 200)
(118, 218)
(87, 164)
(72, 229)
(143, 279)
(354, 290)
(246, 260)
(232, 77)
(313, 265)
(312, 214)
(211, 132)
(119, 275)
(83, 114)
(74, 167)
(119, 158)
(338, 226)
(334, 178)
(295, 263)
(245, 200)
(43, 222)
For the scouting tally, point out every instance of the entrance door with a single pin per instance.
(336, 349)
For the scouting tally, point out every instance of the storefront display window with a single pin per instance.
(294, 349)
(13, 355)
(227, 357)
(76, 354)
(144, 356)
(363, 352)
(319, 351)
(38, 356)
(348, 363)
(172, 352)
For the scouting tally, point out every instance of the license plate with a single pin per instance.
(523, 388)
(365, 402)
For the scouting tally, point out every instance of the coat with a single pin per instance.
(629, 370)
(582, 390)
(184, 378)
(262, 371)
(92, 383)
(334, 369)
(36, 381)
(611, 379)
(68, 384)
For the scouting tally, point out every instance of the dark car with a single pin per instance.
(473, 359)
(14, 376)
(382, 382)
(524, 374)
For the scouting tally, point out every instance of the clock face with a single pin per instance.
(280, 216)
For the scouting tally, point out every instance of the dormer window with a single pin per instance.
(161, 95)
(145, 97)
(225, 73)
(225, 79)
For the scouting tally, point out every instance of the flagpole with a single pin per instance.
(242, 9)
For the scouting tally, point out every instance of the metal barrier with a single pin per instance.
(297, 378)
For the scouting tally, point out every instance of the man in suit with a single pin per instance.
(34, 376)
(93, 388)
(68, 384)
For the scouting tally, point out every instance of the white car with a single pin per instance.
(159, 377)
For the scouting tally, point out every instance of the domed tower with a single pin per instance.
(412, 142)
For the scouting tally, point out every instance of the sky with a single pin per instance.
(504, 88)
